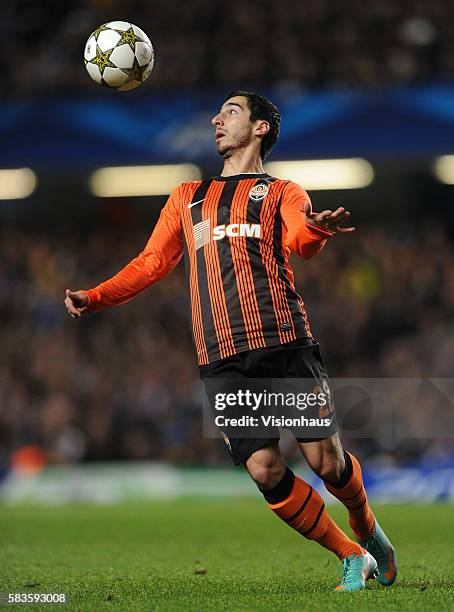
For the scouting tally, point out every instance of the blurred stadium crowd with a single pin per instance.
(124, 383)
(201, 43)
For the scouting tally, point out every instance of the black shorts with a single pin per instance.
(299, 359)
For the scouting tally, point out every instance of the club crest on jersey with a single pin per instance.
(258, 192)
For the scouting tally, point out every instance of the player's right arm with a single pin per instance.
(161, 254)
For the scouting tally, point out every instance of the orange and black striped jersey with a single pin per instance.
(236, 234)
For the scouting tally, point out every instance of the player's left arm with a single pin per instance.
(306, 231)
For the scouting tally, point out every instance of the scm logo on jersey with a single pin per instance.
(236, 230)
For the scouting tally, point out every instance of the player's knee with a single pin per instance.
(266, 471)
(266, 477)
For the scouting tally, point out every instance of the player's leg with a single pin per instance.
(342, 476)
(296, 503)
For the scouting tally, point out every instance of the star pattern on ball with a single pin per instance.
(98, 31)
(135, 73)
(128, 37)
(102, 60)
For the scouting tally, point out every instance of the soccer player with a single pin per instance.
(236, 232)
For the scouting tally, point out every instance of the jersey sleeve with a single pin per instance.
(298, 235)
(161, 254)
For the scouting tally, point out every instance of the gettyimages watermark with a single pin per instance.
(358, 408)
(256, 408)
(271, 409)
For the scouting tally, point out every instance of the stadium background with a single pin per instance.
(362, 80)
(109, 492)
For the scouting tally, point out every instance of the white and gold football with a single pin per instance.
(119, 55)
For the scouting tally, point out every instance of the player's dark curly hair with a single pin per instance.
(262, 108)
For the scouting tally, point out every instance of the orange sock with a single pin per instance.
(353, 496)
(305, 511)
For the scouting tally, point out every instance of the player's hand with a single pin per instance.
(76, 303)
(329, 220)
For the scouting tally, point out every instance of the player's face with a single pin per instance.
(233, 127)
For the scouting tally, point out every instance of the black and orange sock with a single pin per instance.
(302, 508)
(351, 492)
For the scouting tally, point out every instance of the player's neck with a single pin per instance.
(242, 162)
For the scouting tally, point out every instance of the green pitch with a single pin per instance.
(204, 554)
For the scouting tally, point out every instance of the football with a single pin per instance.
(119, 55)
